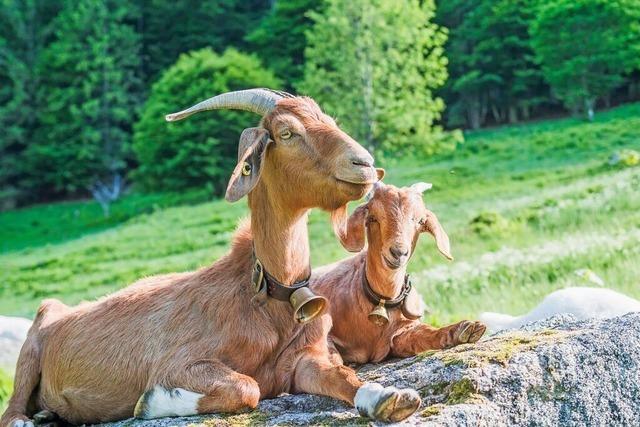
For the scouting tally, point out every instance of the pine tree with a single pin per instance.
(279, 39)
(491, 62)
(586, 48)
(375, 65)
(90, 93)
(24, 31)
(170, 28)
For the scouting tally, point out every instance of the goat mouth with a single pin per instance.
(394, 265)
(360, 175)
(353, 181)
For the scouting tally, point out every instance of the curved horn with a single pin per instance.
(260, 101)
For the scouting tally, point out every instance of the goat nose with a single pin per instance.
(362, 161)
(398, 251)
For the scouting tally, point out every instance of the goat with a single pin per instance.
(393, 218)
(199, 342)
(582, 303)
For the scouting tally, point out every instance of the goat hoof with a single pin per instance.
(44, 417)
(386, 403)
(407, 403)
(468, 332)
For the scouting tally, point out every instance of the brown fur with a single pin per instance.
(199, 330)
(393, 220)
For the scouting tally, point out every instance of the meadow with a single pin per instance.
(526, 207)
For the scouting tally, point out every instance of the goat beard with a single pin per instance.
(339, 221)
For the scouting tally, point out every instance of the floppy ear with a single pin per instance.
(350, 231)
(433, 227)
(251, 151)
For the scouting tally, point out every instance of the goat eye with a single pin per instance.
(285, 134)
(422, 221)
(371, 219)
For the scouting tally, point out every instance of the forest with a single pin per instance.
(84, 86)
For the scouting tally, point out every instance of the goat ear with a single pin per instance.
(421, 187)
(433, 227)
(350, 231)
(251, 151)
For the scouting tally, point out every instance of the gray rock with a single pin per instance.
(554, 372)
(13, 332)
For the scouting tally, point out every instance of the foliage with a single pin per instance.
(24, 31)
(587, 47)
(202, 149)
(73, 76)
(375, 65)
(279, 39)
(89, 93)
(170, 28)
(490, 61)
(585, 217)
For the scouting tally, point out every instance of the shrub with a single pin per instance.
(201, 150)
(625, 158)
(486, 223)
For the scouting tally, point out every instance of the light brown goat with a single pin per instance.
(393, 219)
(193, 343)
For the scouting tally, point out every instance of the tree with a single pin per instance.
(203, 149)
(279, 39)
(586, 48)
(24, 31)
(375, 66)
(171, 28)
(89, 96)
(491, 62)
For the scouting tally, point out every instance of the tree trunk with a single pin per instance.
(513, 114)
(474, 116)
(589, 105)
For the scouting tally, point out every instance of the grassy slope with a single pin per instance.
(559, 209)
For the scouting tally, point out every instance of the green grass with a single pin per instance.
(525, 207)
(6, 388)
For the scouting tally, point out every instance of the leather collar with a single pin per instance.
(376, 299)
(261, 279)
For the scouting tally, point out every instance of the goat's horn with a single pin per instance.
(260, 101)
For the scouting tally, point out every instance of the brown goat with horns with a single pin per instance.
(360, 287)
(195, 343)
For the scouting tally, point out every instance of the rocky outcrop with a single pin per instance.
(555, 372)
(13, 332)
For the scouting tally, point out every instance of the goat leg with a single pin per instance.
(420, 337)
(316, 374)
(199, 387)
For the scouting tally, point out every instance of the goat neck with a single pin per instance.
(280, 235)
(385, 282)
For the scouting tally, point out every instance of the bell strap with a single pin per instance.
(376, 299)
(261, 279)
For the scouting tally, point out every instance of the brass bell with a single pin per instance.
(379, 315)
(306, 305)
